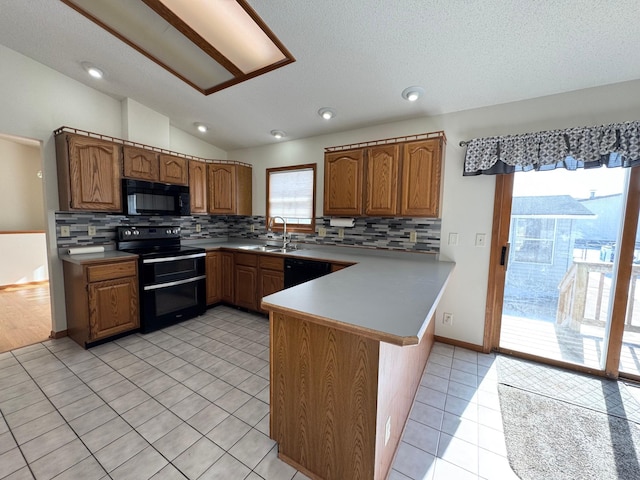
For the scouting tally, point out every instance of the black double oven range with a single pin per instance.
(172, 276)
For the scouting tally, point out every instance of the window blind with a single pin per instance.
(291, 196)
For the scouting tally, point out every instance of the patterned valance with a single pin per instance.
(615, 145)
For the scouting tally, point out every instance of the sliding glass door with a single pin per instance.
(561, 262)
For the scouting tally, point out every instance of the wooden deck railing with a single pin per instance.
(575, 290)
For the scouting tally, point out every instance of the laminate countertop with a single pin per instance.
(386, 295)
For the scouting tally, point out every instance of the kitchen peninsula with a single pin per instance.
(347, 355)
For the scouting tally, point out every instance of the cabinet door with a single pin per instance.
(198, 186)
(343, 183)
(382, 180)
(244, 190)
(246, 286)
(95, 168)
(271, 281)
(227, 280)
(222, 189)
(213, 278)
(421, 172)
(173, 169)
(140, 164)
(113, 307)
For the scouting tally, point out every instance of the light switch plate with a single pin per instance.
(91, 230)
(65, 231)
(413, 236)
(453, 239)
(198, 227)
(341, 233)
(322, 232)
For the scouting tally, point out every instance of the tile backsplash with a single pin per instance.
(377, 232)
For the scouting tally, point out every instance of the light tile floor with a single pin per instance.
(191, 401)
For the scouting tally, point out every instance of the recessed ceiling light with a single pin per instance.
(278, 134)
(327, 113)
(92, 70)
(202, 128)
(412, 93)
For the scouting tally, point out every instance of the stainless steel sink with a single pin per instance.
(269, 248)
(261, 248)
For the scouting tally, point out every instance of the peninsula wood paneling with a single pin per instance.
(323, 398)
(400, 372)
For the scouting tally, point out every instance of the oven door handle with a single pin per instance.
(173, 284)
(171, 259)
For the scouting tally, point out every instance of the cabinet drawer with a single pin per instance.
(272, 263)
(110, 271)
(248, 259)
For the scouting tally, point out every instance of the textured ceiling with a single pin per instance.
(357, 57)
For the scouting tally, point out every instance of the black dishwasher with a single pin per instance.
(297, 271)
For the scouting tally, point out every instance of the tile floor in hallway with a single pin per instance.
(191, 401)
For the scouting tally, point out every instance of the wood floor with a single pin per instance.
(25, 315)
(586, 347)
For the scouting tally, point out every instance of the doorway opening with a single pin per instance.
(25, 305)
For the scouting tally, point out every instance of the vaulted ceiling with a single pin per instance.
(356, 57)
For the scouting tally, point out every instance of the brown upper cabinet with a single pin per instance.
(91, 167)
(89, 173)
(198, 186)
(143, 164)
(382, 169)
(229, 189)
(140, 164)
(343, 182)
(421, 178)
(173, 169)
(397, 179)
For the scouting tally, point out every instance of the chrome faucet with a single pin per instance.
(285, 241)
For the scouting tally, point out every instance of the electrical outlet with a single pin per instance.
(453, 239)
(413, 236)
(65, 231)
(447, 318)
(481, 239)
(341, 233)
(387, 431)
(252, 228)
(91, 230)
(198, 227)
(322, 232)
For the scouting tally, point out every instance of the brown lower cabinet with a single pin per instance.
(101, 299)
(271, 277)
(242, 278)
(226, 277)
(214, 276)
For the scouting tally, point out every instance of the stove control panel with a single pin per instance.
(147, 233)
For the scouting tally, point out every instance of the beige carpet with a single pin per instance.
(554, 440)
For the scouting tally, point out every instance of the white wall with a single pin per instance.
(142, 125)
(188, 144)
(467, 201)
(36, 100)
(23, 258)
(21, 191)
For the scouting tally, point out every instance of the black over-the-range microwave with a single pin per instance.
(151, 198)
